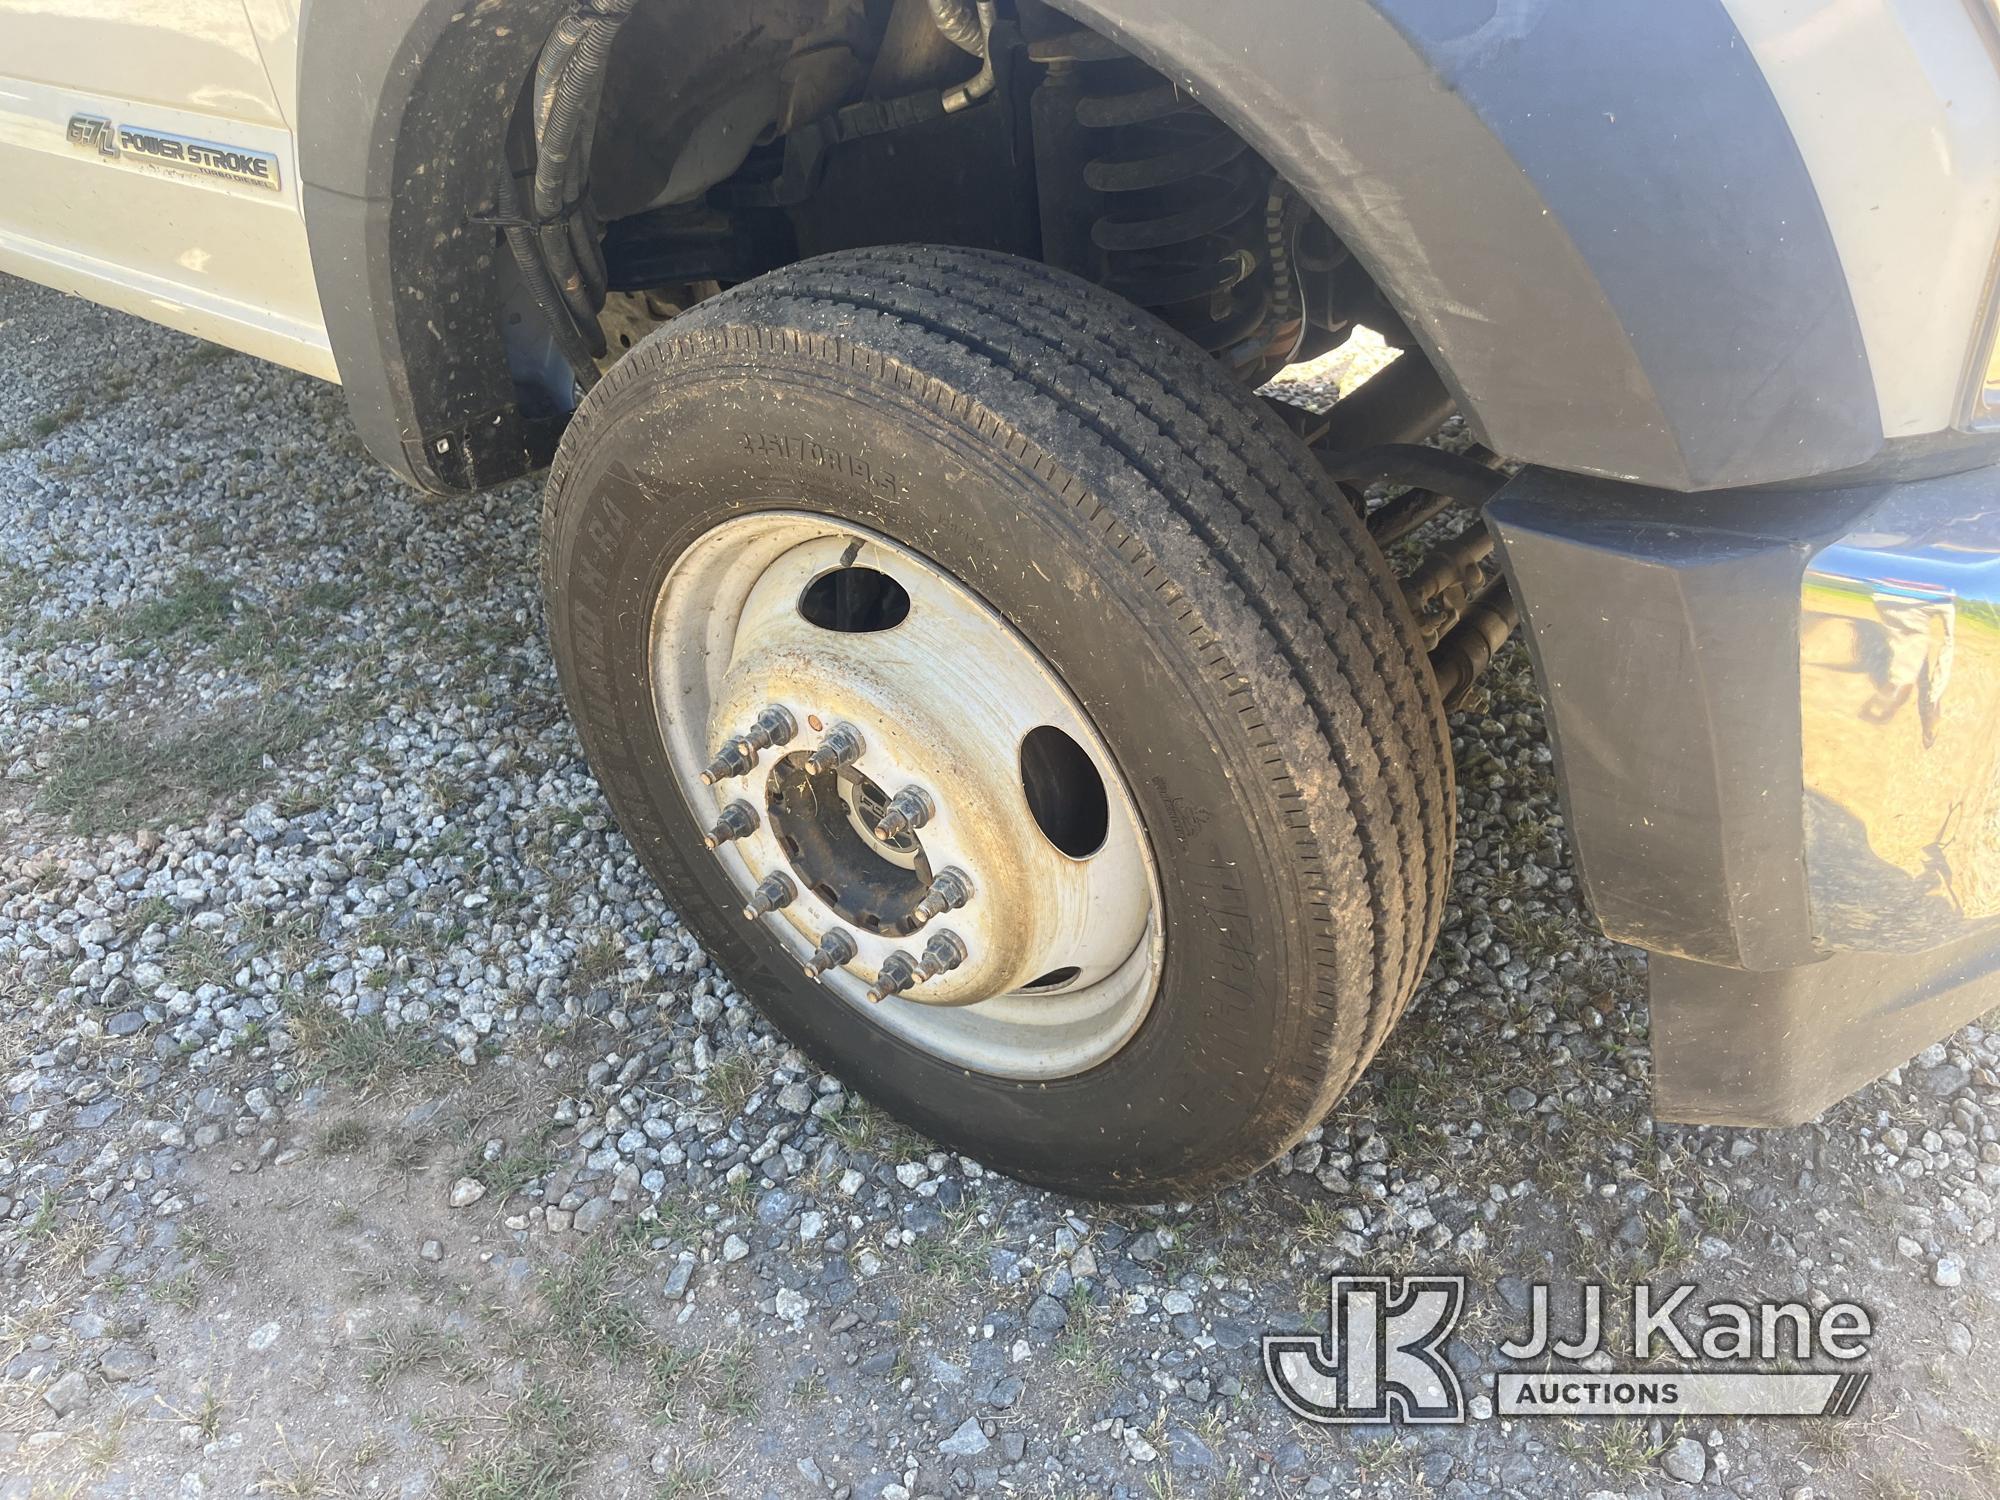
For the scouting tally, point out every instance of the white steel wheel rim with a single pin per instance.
(943, 701)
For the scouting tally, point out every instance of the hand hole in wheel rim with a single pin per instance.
(1055, 979)
(1064, 792)
(855, 601)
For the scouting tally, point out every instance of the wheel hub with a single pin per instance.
(825, 825)
(880, 771)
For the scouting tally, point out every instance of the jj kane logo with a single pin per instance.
(1383, 1357)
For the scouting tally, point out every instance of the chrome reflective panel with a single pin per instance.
(1899, 657)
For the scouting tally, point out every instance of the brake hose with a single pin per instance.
(540, 286)
(568, 82)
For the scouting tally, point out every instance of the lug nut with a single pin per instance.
(738, 820)
(835, 949)
(907, 811)
(943, 953)
(732, 761)
(899, 971)
(841, 747)
(773, 891)
(950, 889)
(774, 726)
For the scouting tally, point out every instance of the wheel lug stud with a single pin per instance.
(950, 889)
(899, 971)
(774, 726)
(841, 747)
(732, 761)
(773, 891)
(835, 949)
(943, 953)
(907, 811)
(738, 820)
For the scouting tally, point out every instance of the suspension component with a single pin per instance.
(1401, 404)
(737, 820)
(1473, 642)
(1447, 580)
(835, 949)
(774, 892)
(1450, 573)
(1175, 216)
(841, 747)
(1438, 480)
(950, 889)
(943, 953)
(970, 27)
(1463, 476)
(907, 811)
(898, 972)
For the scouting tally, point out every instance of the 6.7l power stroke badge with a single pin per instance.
(178, 153)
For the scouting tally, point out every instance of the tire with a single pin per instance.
(1174, 555)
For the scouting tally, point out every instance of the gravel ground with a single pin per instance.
(369, 1126)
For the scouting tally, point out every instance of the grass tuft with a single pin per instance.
(136, 773)
(198, 606)
(718, 1378)
(589, 1303)
(361, 1050)
(345, 1137)
(514, 1170)
(731, 1081)
(48, 423)
(544, 1442)
(393, 1352)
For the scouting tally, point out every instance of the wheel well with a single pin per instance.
(717, 143)
(1543, 262)
(729, 140)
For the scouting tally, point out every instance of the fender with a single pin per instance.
(1591, 213)
(403, 105)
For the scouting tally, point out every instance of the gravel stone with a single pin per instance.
(678, 1277)
(1186, 1450)
(966, 1441)
(1048, 1315)
(1685, 1460)
(126, 1362)
(67, 1393)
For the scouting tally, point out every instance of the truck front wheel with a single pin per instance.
(1011, 707)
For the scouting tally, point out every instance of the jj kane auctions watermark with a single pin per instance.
(1383, 1357)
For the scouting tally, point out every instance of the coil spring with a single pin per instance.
(1181, 228)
